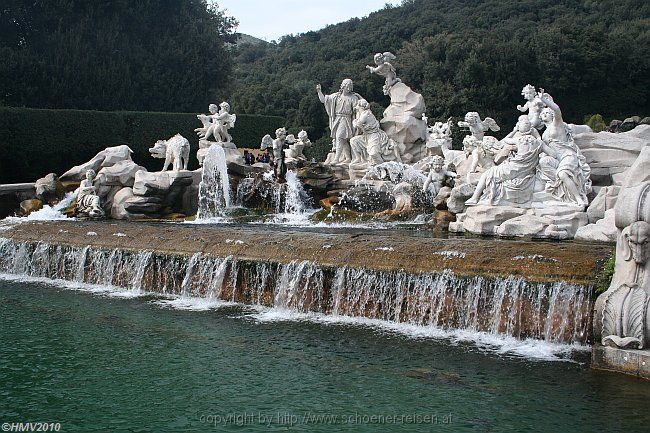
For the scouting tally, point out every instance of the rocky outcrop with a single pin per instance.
(49, 189)
(603, 230)
(106, 158)
(403, 122)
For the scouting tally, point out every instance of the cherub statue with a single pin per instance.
(438, 177)
(439, 137)
(296, 147)
(277, 146)
(217, 123)
(482, 148)
(385, 69)
(88, 202)
(533, 105)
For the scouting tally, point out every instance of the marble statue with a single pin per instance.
(438, 177)
(88, 202)
(385, 69)
(217, 123)
(439, 137)
(215, 131)
(480, 148)
(372, 146)
(513, 180)
(175, 150)
(533, 105)
(565, 170)
(340, 107)
(277, 147)
(296, 147)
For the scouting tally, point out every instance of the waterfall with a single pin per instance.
(295, 196)
(214, 189)
(555, 312)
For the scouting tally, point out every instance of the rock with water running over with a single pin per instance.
(29, 206)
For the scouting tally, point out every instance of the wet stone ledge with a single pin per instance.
(381, 250)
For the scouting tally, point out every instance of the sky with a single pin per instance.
(270, 19)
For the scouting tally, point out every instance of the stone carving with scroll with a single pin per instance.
(175, 150)
(373, 146)
(481, 148)
(88, 202)
(340, 108)
(533, 105)
(565, 170)
(385, 69)
(215, 131)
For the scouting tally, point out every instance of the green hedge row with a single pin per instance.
(36, 142)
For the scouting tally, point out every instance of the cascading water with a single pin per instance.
(554, 312)
(214, 189)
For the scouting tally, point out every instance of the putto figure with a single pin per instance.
(296, 147)
(533, 105)
(385, 69)
(340, 109)
(217, 123)
(438, 177)
(88, 202)
(277, 147)
(482, 148)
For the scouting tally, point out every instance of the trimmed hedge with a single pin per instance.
(35, 142)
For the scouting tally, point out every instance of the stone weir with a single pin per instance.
(538, 290)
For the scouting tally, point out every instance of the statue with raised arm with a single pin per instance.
(385, 69)
(565, 170)
(340, 109)
(533, 105)
(88, 202)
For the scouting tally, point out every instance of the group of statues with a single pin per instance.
(525, 162)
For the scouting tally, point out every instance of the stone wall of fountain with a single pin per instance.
(556, 312)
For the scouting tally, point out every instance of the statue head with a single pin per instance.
(379, 58)
(281, 133)
(347, 86)
(90, 174)
(472, 118)
(302, 135)
(267, 142)
(437, 162)
(362, 104)
(523, 125)
(225, 106)
(547, 115)
(635, 242)
(529, 92)
(212, 108)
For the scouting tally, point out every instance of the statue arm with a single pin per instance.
(548, 101)
(523, 108)
(427, 182)
(321, 97)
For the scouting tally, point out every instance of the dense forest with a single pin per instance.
(154, 55)
(462, 55)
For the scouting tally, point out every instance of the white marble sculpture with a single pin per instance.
(512, 181)
(372, 146)
(533, 105)
(438, 176)
(217, 123)
(439, 139)
(385, 69)
(88, 202)
(277, 147)
(340, 107)
(296, 147)
(481, 149)
(214, 130)
(564, 168)
(175, 151)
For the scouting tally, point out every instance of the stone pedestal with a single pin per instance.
(232, 154)
(632, 362)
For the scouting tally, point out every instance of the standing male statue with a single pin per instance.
(340, 109)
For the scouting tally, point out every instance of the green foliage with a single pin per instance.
(604, 279)
(319, 149)
(150, 55)
(596, 122)
(35, 142)
(462, 56)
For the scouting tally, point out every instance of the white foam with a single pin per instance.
(98, 289)
(193, 304)
(538, 350)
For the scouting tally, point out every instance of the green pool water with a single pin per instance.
(97, 363)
